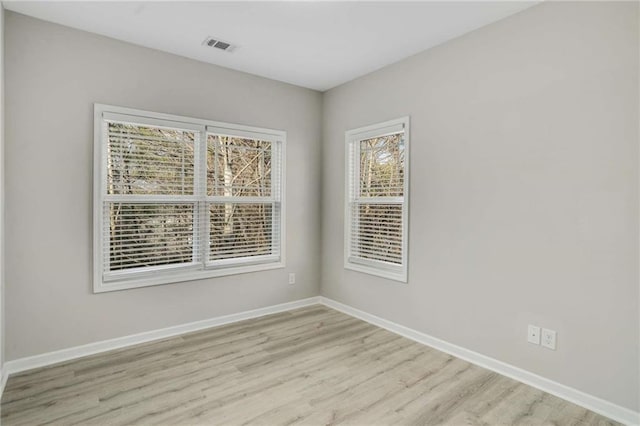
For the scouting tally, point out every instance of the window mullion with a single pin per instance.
(201, 216)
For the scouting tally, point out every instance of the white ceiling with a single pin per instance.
(318, 45)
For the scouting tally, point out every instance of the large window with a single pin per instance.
(376, 224)
(178, 199)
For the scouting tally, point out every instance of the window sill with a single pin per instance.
(384, 271)
(101, 286)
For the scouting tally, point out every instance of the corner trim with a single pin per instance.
(590, 402)
(49, 358)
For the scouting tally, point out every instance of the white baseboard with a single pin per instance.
(590, 402)
(598, 405)
(28, 363)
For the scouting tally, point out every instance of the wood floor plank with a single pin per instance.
(310, 366)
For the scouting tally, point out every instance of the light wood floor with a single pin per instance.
(312, 366)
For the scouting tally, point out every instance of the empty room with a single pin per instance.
(320, 213)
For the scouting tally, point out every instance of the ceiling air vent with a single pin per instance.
(218, 44)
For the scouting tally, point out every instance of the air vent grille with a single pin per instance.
(218, 44)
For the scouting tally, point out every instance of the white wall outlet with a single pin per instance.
(292, 278)
(533, 334)
(549, 338)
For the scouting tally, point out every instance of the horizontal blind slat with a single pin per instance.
(143, 159)
(241, 229)
(144, 235)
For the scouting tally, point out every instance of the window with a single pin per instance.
(179, 199)
(377, 208)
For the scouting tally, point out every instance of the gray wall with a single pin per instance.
(524, 192)
(54, 75)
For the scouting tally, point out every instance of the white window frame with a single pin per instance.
(352, 183)
(203, 268)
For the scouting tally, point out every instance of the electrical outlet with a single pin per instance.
(292, 278)
(533, 334)
(549, 339)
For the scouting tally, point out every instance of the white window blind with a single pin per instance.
(377, 199)
(243, 192)
(180, 199)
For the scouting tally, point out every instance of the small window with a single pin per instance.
(178, 199)
(376, 225)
